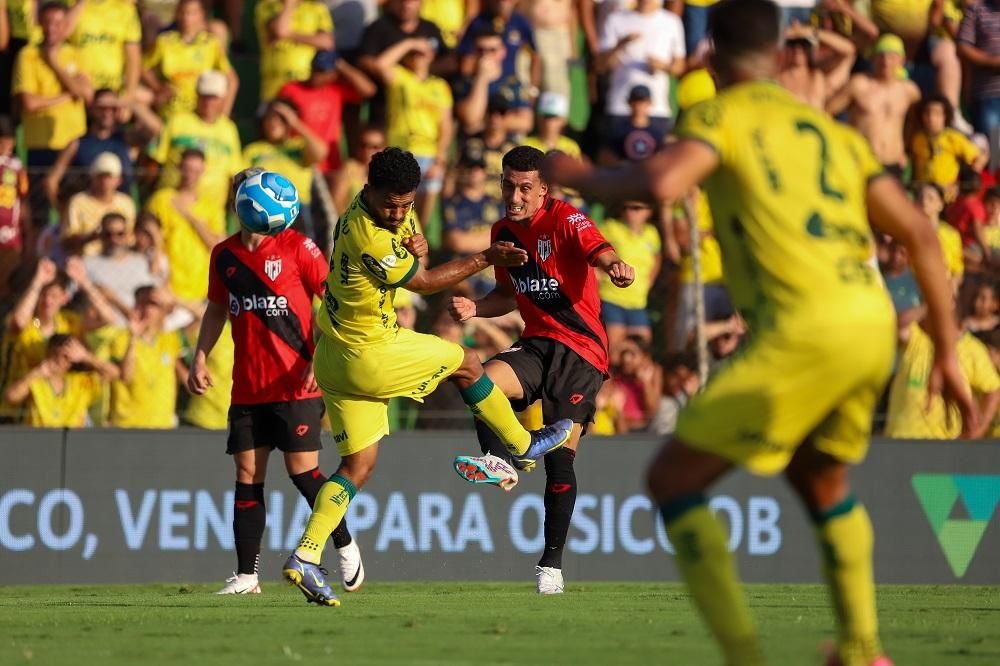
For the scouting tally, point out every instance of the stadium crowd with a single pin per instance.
(123, 121)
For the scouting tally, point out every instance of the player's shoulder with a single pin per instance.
(230, 243)
(567, 215)
(292, 242)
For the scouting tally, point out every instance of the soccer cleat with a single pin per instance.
(241, 584)
(550, 580)
(487, 469)
(309, 578)
(546, 440)
(352, 569)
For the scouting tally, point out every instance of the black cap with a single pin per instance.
(639, 92)
(497, 102)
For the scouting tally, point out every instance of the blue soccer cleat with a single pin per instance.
(309, 578)
(545, 440)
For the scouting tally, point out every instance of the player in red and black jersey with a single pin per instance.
(562, 356)
(265, 285)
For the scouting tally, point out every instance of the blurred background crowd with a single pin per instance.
(123, 120)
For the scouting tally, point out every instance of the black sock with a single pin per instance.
(308, 484)
(490, 442)
(249, 519)
(560, 498)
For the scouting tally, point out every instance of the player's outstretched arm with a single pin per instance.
(664, 177)
(892, 212)
(199, 379)
(497, 303)
(430, 281)
(621, 274)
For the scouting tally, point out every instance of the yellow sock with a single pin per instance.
(328, 510)
(492, 407)
(846, 540)
(708, 569)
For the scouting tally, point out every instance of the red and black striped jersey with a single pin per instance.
(269, 293)
(557, 289)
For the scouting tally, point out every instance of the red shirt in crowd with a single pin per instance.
(13, 188)
(963, 214)
(269, 293)
(557, 289)
(321, 109)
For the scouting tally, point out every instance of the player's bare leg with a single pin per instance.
(845, 539)
(249, 519)
(677, 479)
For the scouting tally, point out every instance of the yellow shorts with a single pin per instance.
(782, 391)
(358, 382)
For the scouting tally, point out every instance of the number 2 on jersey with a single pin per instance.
(806, 127)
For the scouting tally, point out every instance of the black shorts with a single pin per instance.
(293, 425)
(551, 372)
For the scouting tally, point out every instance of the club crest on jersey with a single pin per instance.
(544, 247)
(272, 267)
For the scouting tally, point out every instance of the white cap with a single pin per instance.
(553, 104)
(106, 163)
(213, 84)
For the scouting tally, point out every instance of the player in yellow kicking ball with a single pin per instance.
(363, 358)
(792, 193)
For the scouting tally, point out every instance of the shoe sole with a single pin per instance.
(295, 578)
(473, 473)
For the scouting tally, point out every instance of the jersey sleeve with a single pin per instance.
(217, 292)
(133, 29)
(312, 267)
(704, 122)
(385, 259)
(584, 235)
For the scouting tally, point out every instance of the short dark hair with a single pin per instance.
(193, 152)
(394, 170)
(523, 159)
(50, 5)
(934, 186)
(938, 98)
(485, 31)
(741, 27)
(992, 193)
(969, 180)
(113, 217)
(58, 340)
(6, 126)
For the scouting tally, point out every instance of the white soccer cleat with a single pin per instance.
(352, 569)
(241, 584)
(487, 469)
(550, 580)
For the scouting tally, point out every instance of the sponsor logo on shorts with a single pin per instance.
(559, 488)
(576, 399)
(423, 385)
(272, 267)
(301, 429)
(341, 437)
(538, 289)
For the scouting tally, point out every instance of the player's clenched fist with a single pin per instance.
(417, 245)
(621, 274)
(462, 308)
(505, 254)
(199, 379)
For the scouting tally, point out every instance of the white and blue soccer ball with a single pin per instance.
(267, 203)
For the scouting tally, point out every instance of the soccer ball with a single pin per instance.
(267, 203)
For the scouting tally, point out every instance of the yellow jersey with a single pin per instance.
(367, 265)
(909, 417)
(84, 214)
(66, 409)
(951, 247)
(448, 16)
(288, 159)
(26, 348)
(938, 160)
(102, 31)
(788, 204)
(711, 254)
(991, 232)
(220, 141)
(180, 63)
(909, 19)
(211, 409)
(564, 145)
(100, 341)
(638, 250)
(414, 109)
(55, 126)
(183, 247)
(150, 399)
(21, 15)
(284, 60)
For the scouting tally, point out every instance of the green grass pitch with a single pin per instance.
(465, 623)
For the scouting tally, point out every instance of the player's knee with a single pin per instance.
(819, 481)
(358, 469)
(470, 370)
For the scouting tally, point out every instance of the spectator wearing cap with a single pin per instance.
(117, 270)
(488, 82)
(816, 63)
(553, 114)
(518, 38)
(290, 32)
(108, 35)
(52, 90)
(877, 103)
(180, 56)
(979, 46)
(641, 47)
(15, 227)
(492, 142)
(206, 129)
(320, 99)
(352, 177)
(350, 18)
(400, 20)
(81, 226)
(419, 113)
(640, 137)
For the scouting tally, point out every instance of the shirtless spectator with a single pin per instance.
(878, 103)
(815, 63)
(979, 46)
(554, 22)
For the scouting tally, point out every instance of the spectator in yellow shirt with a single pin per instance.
(108, 36)
(58, 391)
(81, 227)
(52, 91)
(637, 242)
(191, 224)
(938, 150)
(290, 32)
(210, 410)
(145, 396)
(991, 227)
(930, 198)
(206, 129)
(180, 56)
(911, 416)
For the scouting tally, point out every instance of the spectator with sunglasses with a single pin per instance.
(118, 270)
